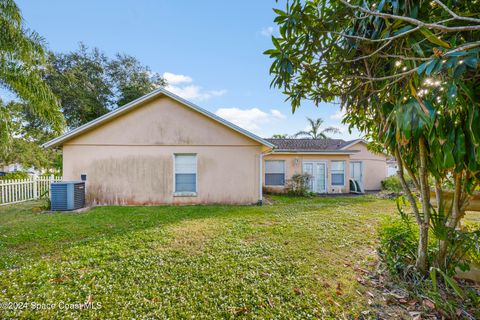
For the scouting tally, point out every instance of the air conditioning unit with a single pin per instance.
(67, 195)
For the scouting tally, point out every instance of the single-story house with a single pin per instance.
(163, 149)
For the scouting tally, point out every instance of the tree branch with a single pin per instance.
(454, 15)
(412, 20)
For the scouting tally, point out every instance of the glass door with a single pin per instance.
(318, 173)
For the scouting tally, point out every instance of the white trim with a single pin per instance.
(340, 152)
(325, 162)
(185, 193)
(284, 174)
(354, 142)
(362, 169)
(135, 103)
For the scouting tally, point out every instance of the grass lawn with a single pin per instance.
(292, 258)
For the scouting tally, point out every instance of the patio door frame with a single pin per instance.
(361, 172)
(314, 162)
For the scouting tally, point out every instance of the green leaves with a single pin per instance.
(433, 38)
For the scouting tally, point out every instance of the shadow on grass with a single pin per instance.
(25, 233)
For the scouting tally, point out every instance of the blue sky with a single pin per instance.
(210, 51)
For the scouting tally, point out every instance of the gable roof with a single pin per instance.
(310, 145)
(138, 102)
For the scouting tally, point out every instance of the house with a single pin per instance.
(334, 165)
(392, 166)
(163, 149)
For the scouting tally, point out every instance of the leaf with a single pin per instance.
(422, 67)
(452, 284)
(431, 66)
(433, 38)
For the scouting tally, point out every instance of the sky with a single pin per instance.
(210, 52)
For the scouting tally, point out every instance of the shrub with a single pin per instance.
(398, 245)
(298, 185)
(15, 175)
(393, 184)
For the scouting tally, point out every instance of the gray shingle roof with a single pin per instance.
(312, 145)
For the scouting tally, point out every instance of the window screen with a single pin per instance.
(185, 173)
(274, 173)
(338, 173)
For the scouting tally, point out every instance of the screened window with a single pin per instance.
(274, 173)
(338, 173)
(185, 173)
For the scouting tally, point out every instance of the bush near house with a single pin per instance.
(392, 183)
(298, 185)
(15, 175)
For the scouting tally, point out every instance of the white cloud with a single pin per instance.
(338, 115)
(182, 86)
(173, 79)
(277, 114)
(250, 119)
(266, 31)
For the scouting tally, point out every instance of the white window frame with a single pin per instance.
(332, 171)
(284, 174)
(185, 193)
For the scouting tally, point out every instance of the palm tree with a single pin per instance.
(22, 59)
(316, 131)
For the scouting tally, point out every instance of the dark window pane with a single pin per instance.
(274, 179)
(338, 179)
(185, 182)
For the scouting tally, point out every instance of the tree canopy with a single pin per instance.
(22, 58)
(90, 84)
(316, 131)
(407, 75)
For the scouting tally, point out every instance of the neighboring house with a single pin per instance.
(392, 166)
(331, 163)
(15, 167)
(162, 149)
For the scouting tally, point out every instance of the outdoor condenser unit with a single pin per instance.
(67, 195)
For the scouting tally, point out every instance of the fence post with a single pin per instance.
(52, 179)
(35, 191)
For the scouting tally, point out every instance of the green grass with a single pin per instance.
(293, 258)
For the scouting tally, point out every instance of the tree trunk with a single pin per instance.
(443, 244)
(422, 254)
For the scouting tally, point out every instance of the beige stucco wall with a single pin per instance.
(130, 159)
(293, 165)
(374, 166)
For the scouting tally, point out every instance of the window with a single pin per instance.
(185, 173)
(338, 173)
(274, 173)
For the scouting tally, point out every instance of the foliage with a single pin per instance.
(407, 75)
(298, 185)
(398, 246)
(284, 260)
(280, 136)
(316, 131)
(29, 132)
(397, 250)
(89, 84)
(23, 54)
(393, 183)
(15, 175)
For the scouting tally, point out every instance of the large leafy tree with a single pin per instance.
(22, 56)
(407, 74)
(90, 84)
(316, 131)
(28, 133)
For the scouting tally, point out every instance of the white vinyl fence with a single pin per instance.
(19, 190)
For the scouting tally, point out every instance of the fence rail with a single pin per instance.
(20, 190)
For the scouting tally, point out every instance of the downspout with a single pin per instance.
(260, 191)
